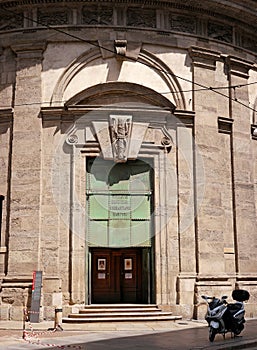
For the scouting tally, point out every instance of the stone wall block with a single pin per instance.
(23, 240)
(16, 313)
(22, 199)
(29, 261)
(5, 312)
(48, 313)
(52, 285)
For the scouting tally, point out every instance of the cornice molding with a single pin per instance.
(225, 125)
(238, 66)
(254, 131)
(210, 20)
(30, 50)
(186, 118)
(229, 9)
(6, 115)
(204, 58)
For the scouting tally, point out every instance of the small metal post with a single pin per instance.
(25, 319)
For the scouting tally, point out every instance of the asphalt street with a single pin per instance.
(180, 335)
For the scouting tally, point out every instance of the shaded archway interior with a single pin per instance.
(118, 92)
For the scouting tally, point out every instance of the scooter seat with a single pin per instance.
(240, 295)
(234, 307)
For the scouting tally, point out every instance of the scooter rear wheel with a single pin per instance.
(212, 333)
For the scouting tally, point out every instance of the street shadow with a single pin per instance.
(185, 339)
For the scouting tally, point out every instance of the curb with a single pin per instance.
(246, 344)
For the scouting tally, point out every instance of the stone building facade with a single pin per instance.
(128, 153)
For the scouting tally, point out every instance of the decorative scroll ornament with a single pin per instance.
(166, 141)
(120, 130)
(72, 139)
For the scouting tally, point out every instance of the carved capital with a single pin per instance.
(204, 58)
(238, 66)
(225, 125)
(254, 131)
(186, 118)
(30, 51)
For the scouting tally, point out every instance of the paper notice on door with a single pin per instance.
(128, 276)
(101, 276)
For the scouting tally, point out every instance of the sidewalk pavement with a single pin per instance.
(164, 335)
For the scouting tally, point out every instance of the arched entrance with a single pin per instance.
(114, 140)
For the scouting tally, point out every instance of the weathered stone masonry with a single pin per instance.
(200, 140)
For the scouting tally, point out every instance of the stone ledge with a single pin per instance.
(6, 115)
(3, 250)
(254, 131)
(225, 125)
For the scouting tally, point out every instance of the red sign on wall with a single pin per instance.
(36, 296)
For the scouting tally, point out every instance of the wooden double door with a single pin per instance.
(116, 275)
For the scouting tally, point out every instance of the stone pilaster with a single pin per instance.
(186, 210)
(7, 78)
(243, 169)
(24, 237)
(214, 221)
(5, 159)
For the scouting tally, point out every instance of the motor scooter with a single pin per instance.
(223, 317)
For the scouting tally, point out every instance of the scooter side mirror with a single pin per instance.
(224, 297)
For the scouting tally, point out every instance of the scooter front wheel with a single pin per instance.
(212, 333)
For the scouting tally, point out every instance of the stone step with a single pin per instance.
(120, 306)
(121, 314)
(121, 319)
(107, 310)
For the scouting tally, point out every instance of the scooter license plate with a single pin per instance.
(214, 324)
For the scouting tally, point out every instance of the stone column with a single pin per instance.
(24, 239)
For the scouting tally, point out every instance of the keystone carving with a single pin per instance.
(120, 129)
(120, 47)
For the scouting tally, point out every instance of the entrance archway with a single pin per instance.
(119, 230)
